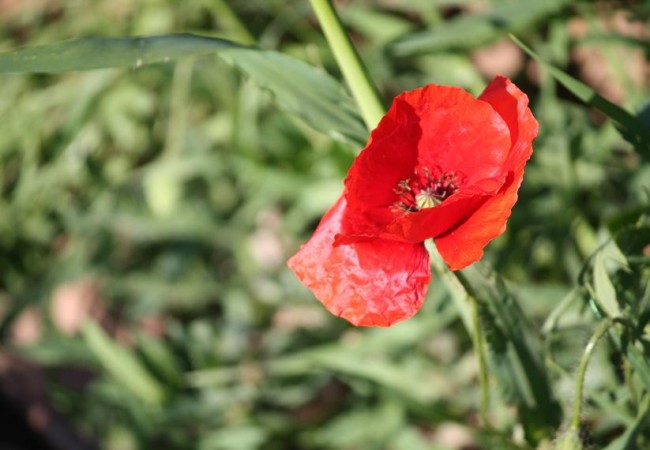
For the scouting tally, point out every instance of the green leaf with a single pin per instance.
(362, 427)
(104, 53)
(639, 362)
(367, 359)
(122, 365)
(515, 352)
(301, 89)
(626, 344)
(234, 438)
(359, 364)
(569, 440)
(603, 287)
(627, 440)
(627, 124)
(160, 359)
(469, 31)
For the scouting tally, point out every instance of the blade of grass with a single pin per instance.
(296, 86)
(468, 31)
(302, 90)
(103, 53)
(628, 125)
(515, 352)
(627, 441)
(122, 365)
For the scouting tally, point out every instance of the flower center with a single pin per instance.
(423, 191)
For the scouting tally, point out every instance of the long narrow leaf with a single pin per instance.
(639, 362)
(104, 53)
(628, 125)
(122, 365)
(515, 353)
(627, 441)
(301, 89)
(310, 94)
(474, 30)
(604, 288)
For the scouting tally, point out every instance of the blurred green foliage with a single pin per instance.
(147, 214)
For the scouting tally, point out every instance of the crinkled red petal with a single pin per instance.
(390, 156)
(464, 244)
(460, 134)
(440, 128)
(433, 222)
(512, 104)
(376, 283)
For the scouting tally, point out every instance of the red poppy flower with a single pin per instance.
(440, 164)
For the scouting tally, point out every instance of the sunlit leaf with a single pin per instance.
(473, 30)
(309, 93)
(628, 125)
(604, 289)
(514, 351)
(104, 53)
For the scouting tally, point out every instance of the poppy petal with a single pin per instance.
(375, 283)
(460, 133)
(433, 222)
(437, 128)
(512, 104)
(389, 157)
(464, 244)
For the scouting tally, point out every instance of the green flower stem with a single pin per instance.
(582, 369)
(479, 349)
(478, 340)
(469, 308)
(350, 63)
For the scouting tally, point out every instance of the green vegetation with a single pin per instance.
(148, 207)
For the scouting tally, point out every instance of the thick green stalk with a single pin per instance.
(350, 63)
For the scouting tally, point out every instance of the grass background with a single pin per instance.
(147, 214)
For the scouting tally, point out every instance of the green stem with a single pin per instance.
(350, 63)
(471, 318)
(479, 349)
(582, 369)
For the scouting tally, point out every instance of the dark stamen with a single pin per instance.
(424, 191)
